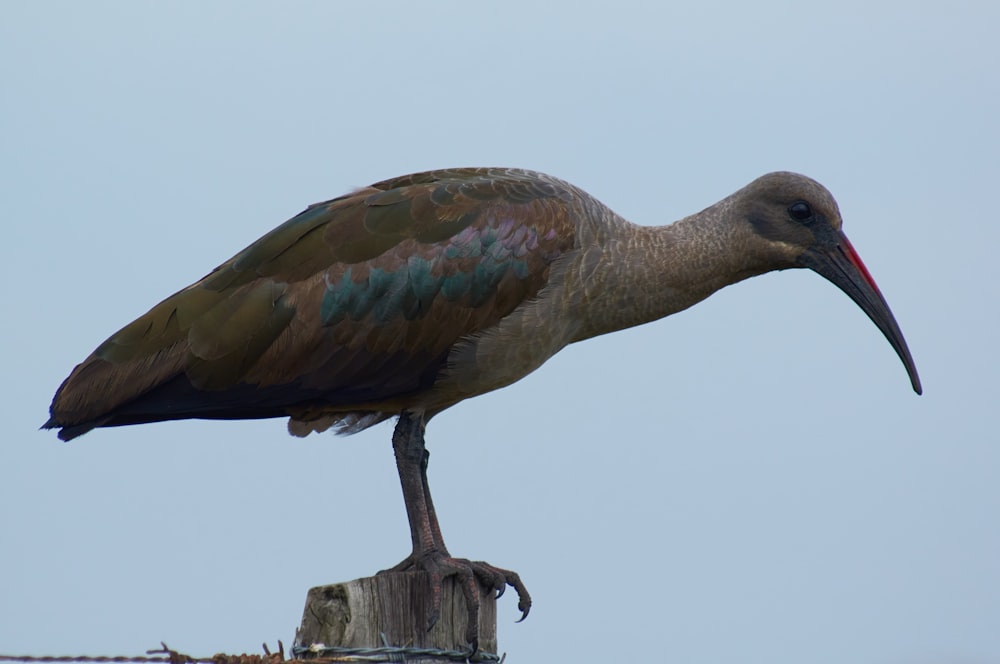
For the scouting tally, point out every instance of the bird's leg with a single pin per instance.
(432, 515)
(411, 460)
(429, 552)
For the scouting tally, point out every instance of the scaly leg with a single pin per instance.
(429, 552)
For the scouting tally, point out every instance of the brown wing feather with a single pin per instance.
(354, 301)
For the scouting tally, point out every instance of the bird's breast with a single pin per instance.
(506, 352)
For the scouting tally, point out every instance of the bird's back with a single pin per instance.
(345, 314)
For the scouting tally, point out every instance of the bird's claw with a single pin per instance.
(469, 575)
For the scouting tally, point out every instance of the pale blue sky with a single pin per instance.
(751, 480)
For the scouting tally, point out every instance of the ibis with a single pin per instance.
(404, 298)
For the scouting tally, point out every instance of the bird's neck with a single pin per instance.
(644, 273)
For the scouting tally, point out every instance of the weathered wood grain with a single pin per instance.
(355, 613)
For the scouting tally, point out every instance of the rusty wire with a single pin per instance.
(163, 654)
(321, 655)
(388, 653)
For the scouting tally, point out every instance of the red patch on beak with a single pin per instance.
(852, 255)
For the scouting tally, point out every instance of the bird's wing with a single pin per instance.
(354, 300)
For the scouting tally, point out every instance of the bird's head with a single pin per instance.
(795, 222)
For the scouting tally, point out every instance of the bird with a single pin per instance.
(406, 297)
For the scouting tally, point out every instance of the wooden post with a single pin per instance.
(355, 615)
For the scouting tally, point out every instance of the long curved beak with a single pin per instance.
(840, 264)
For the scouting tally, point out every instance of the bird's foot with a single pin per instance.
(440, 565)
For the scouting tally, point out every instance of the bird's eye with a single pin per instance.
(800, 211)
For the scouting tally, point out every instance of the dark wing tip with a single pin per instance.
(67, 433)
